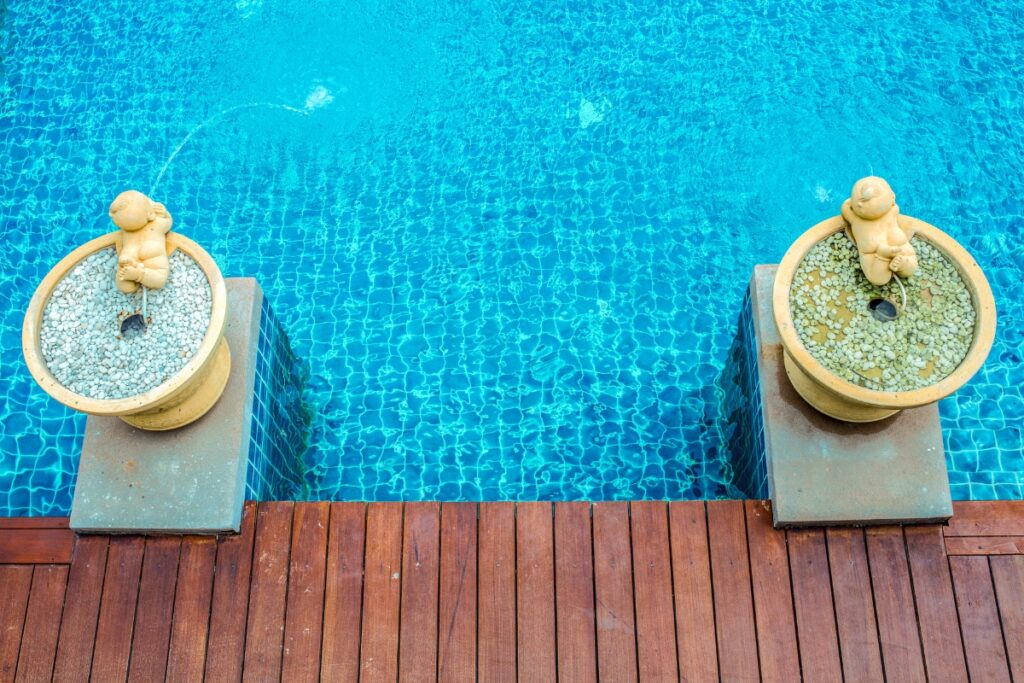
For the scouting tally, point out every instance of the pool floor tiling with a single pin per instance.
(573, 591)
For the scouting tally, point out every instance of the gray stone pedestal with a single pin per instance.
(822, 471)
(191, 479)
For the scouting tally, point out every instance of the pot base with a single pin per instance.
(831, 403)
(193, 405)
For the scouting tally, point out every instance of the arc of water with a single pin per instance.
(211, 119)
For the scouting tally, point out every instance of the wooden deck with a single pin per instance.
(532, 591)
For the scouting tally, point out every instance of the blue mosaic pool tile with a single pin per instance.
(512, 246)
(280, 418)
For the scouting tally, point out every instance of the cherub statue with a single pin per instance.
(876, 227)
(142, 244)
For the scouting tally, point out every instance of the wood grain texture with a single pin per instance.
(720, 594)
(15, 584)
(985, 545)
(734, 602)
(979, 619)
(535, 592)
(229, 607)
(657, 657)
(613, 588)
(42, 622)
(305, 609)
(574, 582)
(382, 592)
(421, 550)
(457, 618)
(78, 621)
(854, 605)
(1008, 579)
(33, 523)
(496, 617)
(268, 592)
(186, 656)
(117, 609)
(773, 600)
(36, 546)
(902, 654)
(155, 608)
(812, 598)
(691, 581)
(343, 594)
(936, 607)
(986, 518)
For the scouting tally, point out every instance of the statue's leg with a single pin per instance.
(908, 266)
(876, 269)
(127, 286)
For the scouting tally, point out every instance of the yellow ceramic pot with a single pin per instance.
(850, 402)
(183, 398)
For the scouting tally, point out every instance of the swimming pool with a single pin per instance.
(511, 240)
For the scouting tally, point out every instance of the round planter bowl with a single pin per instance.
(844, 400)
(180, 400)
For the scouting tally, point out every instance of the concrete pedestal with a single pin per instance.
(190, 480)
(822, 471)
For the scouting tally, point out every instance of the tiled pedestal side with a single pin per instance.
(195, 479)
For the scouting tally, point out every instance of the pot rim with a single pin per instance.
(970, 271)
(152, 397)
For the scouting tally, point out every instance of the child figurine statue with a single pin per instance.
(142, 244)
(882, 239)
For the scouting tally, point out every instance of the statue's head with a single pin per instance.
(132, 210)
(871, 197)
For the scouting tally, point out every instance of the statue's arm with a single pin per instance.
(905, 225)
(847, 212)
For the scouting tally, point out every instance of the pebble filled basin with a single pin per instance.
(510, 240)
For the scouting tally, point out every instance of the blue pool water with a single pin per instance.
(510, 240)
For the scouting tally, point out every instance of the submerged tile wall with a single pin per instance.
(280, 419)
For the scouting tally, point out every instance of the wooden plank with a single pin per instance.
(1008, 578)
(691, 580)
(894, 604)
(343, 595)
(421, 540)
(78, 622)
(936, 606)
(535, 592)
(191, 616)
(496, 617)
(657, 657)
(117, 609)
(36, 546)
(778, 654)
(15, 584)
(382, 591)
(456, 648)
(229, 606)
(855, 609)
(987, 518)
(574, 593)
(42, 622)
(306, 575)
(155, 609)
(985, 545)
(613, 588)
(979, 619)
(812, 601)
(33, 523)
(268, 591)
(734, 603)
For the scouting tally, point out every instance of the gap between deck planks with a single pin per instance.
(528, 591)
